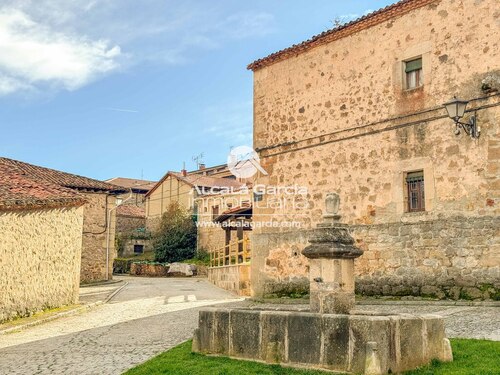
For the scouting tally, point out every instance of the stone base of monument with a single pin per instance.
(360, 343)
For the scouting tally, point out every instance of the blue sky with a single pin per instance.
(107, 88)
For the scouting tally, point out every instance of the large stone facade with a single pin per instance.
(98, 247)
(40, 255)
(336, 118)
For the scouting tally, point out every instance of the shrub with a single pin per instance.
(202, 256)
(175, 239)
(121, 265)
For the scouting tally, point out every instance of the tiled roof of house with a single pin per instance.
(132, 183)
(362, 23)
(244, 211)
(200, 181)
(130, 211)
(19, 191)
(59, 178)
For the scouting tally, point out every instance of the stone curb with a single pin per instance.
(430, 303)
(50, 318)
(305, 301)
(115, 292)
(71, 312)
(111, 282)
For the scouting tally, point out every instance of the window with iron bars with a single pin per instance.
(415, 191)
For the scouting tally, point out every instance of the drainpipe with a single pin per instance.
(108, 230)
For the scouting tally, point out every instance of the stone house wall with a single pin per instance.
(93, 268)
(40, 252)
(337, 119)
(211, 238)
(127, 224)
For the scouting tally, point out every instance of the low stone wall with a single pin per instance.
(235, 278)
(164, 270)
(346, 343)
(455, 257)
(150, 270)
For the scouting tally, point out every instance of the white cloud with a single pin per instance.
(33, 55)
(231, 122)
(247, 24)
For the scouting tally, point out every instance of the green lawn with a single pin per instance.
(471, 357)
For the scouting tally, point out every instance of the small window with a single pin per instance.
(138, 249)
(215, 211)
(413, 71)
(415, 191)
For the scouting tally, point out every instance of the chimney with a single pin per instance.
(201, 166)
(183, 170)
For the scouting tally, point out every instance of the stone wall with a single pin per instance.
(128, 224)
(129, 243)
(93, 267)
(40, 252)
(455, 257)
(234, 278)
(337, 119)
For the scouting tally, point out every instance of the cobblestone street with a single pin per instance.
(149, 316)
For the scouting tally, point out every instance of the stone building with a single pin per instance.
(98, 249)
(358, 110)
(225, 232)
(131, 230)
(40, 244)
(136, 189)
(132, 237)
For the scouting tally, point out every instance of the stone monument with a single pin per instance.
(332, 335)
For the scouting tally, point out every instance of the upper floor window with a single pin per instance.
(415, 191)
(215, 211)
(413, 71)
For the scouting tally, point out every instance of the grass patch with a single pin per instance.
(147, 255)
(25, 318)
(471, 357)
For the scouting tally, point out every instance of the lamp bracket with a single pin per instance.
(470, 128)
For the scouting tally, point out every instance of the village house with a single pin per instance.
(216, 202)
(99, 216)
(225, 232)
(41, 226)
(131, 234)
(182, 188)
(136, 190)
(358, 110)
(132, 237)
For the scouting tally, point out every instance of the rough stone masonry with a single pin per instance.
(334, 114)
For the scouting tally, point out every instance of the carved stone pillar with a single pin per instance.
(332, 253)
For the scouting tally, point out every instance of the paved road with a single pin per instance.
(151, 315)
(147, 317)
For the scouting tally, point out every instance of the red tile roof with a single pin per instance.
(132, 183)
(59, 178)
(18, 191)
(130, 211)
(369, 20)
(244, 211)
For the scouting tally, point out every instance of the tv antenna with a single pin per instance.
(198, 159)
